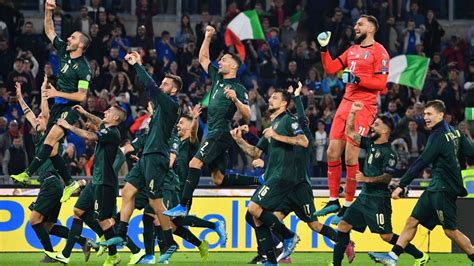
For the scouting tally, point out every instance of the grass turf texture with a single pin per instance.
(235, 258)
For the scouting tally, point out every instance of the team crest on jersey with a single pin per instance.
(103, 131)
(88, 77)
(366, 55)
(69, 61)
(175, 146)
(74, 66)
(294, 125)
(275, 125)
(391, 162)
(384, 62)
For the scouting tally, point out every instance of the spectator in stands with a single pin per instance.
(7, 58)
(416, 141)
(63, 23)
(115, 22)
(15, 159)
(313, 81)
(4, 98)
(119, 42)
(411, 37)
(201, 27)
(267, 63)
(277, 13)
(257, 104)
(336, 26)
(96, 50)
(301, 59)
(83, 22)
(393, 112)
(328, 107)
(104, 27)
(19, 75)
(184, 32)
(274, 42)
(331, 84)
(414, 15)
(320, 142)
(287, 35)
(359, 9)
(145, 16)
(433, 33)
(12, 18)
(185, 56)
(121, 84)
(70, 157)
(455, 53)
(291, 76)
(91, 106)
(347, 39)
(165, 47)
(29, 41)
(447, 94)
(94, 10)
(403, 154)
(392, 36)
(141, 40)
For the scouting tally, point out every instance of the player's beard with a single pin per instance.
(360, 39)
(374, 136)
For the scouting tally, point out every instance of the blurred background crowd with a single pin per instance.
(288, 55)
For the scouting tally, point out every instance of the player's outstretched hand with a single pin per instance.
(209, 31)
(396, 193)
(244, 128)
(133, 58)
(324, 38)
(18, 90)
(196, 111)
(63, 123)
(258, 163)
(298, 89)
(79, 108)
(50, 93)
(357, 106)
(50, 5)
(236, 133)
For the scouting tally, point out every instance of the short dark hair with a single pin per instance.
(470, 160)
(372, 20)
(438, 105)
(29, 22)
(165, 32)
(121, 111)
(187, 117)
(285, 95)
(388, 121)
(236, 58)
(178, 82)
(84, 39)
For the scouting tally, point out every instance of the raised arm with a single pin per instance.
(350, 124)
(204, 58)
(78, 96)
(44, 106)
(250, 150)
(195, 124)
(29, 115)
(90, 117)
(48, 19)
(88, 135)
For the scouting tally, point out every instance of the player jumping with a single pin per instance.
(366, 77)
(373, 207)
(437, 204)
(73, 83)
(227, 97)
(153, 166)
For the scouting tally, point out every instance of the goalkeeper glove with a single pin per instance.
(349, 77)
(323, 40)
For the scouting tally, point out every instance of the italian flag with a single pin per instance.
(245, 26)
(408, 70)
(469, 113)
(295, 20)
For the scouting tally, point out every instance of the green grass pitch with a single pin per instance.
(234, 258)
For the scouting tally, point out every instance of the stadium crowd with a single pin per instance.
(288, 55)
